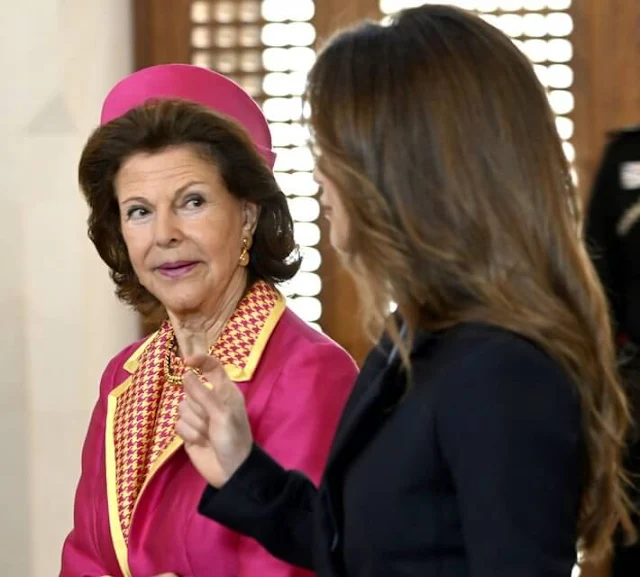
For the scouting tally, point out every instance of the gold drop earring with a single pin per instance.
(244, 255)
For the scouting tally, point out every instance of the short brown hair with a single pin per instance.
(156, 126)
(445, 152)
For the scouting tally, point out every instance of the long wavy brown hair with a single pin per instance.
(443, 146)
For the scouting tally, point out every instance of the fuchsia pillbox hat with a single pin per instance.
(195, 84)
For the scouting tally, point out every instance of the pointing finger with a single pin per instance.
(197, 390)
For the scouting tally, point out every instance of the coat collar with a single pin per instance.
(380, 383)
(245, 336)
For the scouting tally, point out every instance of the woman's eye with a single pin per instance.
(136, 213)
(194, 201)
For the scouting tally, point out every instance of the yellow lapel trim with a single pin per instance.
(242, 374)
(131, 364)
(117, 536)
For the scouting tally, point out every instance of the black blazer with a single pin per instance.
(477, 471)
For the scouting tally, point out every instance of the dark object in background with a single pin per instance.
(613, 238)
(613, 229)
(626, 559)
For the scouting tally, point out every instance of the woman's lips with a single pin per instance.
(177, 269)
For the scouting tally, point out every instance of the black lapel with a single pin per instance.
(380, 377)
(380, 367)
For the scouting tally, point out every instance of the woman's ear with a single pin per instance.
(251, 215)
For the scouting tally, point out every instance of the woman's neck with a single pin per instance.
(197, 331)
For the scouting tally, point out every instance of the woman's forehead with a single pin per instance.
(166, 170)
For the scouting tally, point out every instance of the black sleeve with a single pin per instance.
(509, 429)
(264, 501)
(600, 233)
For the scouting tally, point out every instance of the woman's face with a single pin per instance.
(334, 211)
(183, 229)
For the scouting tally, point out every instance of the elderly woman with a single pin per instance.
(185, 211)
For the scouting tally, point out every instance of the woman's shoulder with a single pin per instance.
(297, 336)
(131, 352)
(493, 360)
(304, 346)
(480, 341)
(120, 365)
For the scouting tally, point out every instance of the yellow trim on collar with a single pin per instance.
(244, 369)
(131, 364)
(242, 374)
(117, 536)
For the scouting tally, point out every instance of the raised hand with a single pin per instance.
(213, 421)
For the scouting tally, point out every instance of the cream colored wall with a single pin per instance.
(59, 320)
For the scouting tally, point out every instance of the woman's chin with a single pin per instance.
(182, 306)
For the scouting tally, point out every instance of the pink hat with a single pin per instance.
(187, 82)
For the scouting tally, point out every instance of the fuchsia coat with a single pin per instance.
(296, 382)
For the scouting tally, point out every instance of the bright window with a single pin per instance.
(267, 47)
